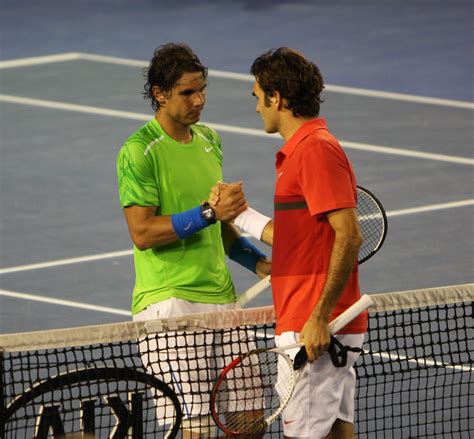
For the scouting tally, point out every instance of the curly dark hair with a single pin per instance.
(297, 79)
(170, 61)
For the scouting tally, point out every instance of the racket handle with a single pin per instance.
(254, 291)
(350, 313)
(342, 319)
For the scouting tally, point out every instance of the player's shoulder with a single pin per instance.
(319, 149)
(321, 140)
(140, 140)
(207, 134)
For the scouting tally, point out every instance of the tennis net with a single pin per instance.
(133, 379)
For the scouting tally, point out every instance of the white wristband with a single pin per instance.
(252, 222)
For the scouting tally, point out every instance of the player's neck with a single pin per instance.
(290, 124)
(177, 131)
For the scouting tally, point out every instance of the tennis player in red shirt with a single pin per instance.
(315, 237)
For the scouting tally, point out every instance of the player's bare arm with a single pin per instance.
(267, 233)
(348, 239)
(147, 229)
(230, 234)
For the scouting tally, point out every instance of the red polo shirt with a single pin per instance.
(313, 177)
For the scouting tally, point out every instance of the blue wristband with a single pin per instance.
(245, 253)
(188, 222)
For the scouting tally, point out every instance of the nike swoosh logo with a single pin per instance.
(246, 249)
(289, 422)
(208, 149)
(188, 226)
(280, 174)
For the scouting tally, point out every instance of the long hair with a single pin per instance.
(297, 79)
(168, 64)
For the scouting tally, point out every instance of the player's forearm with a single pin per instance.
(153, 231)
(267, 233)
(149, 230)
(229, 234)
(243, 251)
(256, 225)
(341, 265)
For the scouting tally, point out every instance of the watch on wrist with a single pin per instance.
(208, 213)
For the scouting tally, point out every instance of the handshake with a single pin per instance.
(229, 205)
(227, 200)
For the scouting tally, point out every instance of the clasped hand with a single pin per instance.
(227, 200)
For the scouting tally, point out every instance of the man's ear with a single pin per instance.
(159, 95)
(277, 99)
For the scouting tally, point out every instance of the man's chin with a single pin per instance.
(194, 118)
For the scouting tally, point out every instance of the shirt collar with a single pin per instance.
(304, 130)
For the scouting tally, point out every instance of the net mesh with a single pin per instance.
(414, 379)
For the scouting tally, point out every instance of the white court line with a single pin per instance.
(331, 88)
(407, 153)
(68, 261)
(36, 298)
(73, 107)
(117, 254)
(430, 208)
(400, 97)
(113, 60)
(236, 76)
(328, 87)
(230, 129)
(37, 60)
(420, 362)
(69, 56)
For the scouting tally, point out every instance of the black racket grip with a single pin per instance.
(300, 359)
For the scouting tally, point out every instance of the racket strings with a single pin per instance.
(251, 393)
(372, 224)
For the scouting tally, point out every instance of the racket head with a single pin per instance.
(372, 222)
(251, 391)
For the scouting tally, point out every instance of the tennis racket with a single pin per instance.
(372, 222)
(247, 396)
(373, 226)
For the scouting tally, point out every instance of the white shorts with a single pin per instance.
(323, 393)
(189, 362)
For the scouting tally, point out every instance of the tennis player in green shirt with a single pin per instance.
(165, 172)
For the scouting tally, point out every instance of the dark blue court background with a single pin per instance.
(422, 47)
